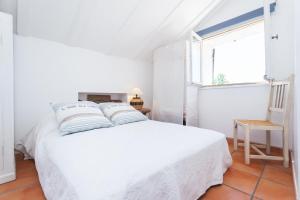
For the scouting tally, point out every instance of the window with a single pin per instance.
(235, 56)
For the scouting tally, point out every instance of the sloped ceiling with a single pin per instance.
(127, 28)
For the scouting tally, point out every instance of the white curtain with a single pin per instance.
(191, 106)
(174, 97)
(169, 83)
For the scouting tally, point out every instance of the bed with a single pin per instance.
(142, 160)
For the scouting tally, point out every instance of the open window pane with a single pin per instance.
(236, 56)
(196, 70)
(195, 59)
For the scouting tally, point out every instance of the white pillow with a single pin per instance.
(121, 113)
(79, 116)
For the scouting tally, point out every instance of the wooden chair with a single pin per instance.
(279, 101)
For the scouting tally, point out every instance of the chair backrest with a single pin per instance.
(280, 99)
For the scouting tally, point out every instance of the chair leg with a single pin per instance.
(235, 136)
(285, 147)
(247, 145)
(268, 141)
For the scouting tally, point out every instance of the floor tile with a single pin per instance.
(279, 175)
(230, 146)
(225, 193)
(240, 180)
(270, 190)
(32, 192)
(241, 149)
(279, 164)
(276, 151)
(25, 164)
(255, 167)
(24, 178)
(19, 157)
(229, 140)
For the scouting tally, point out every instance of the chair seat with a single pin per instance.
(259, 124)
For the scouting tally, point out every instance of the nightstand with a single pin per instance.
(146, 111)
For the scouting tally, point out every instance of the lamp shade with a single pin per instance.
(136, 101)
(137, 91)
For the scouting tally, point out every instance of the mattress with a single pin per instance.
(142, 160)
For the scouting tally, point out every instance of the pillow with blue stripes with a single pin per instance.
(79, 116)
(121, 113)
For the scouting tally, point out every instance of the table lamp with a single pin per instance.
(136, 101)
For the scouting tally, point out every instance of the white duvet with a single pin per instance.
(146, 160)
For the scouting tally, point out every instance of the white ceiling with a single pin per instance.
(127, 28)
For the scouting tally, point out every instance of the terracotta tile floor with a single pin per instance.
(267, 180)
(26, 186)
(260, 180)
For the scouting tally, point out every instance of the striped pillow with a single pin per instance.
(121, 113)
(57, 106)
(79, 116)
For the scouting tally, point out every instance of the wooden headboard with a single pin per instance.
(98, 98)
(102, 97)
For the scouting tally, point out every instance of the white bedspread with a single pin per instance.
(146, 160)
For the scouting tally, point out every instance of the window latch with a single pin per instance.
(268, 78)
(275, 37)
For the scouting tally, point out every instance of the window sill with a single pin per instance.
(233, 85)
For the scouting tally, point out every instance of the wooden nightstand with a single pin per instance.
(146, 111)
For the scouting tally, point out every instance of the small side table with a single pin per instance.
(146, 111)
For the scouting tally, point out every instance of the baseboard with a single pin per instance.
(294, 176)
(7, 177)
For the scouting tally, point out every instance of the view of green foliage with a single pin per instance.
(220, 79)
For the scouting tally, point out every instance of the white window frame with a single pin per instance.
(216, 33)
(194, 38)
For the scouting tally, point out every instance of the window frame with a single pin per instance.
(217, 33)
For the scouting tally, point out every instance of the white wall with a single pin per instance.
(219, 106)
(10, 6)
(52, 72)
(297, 92)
